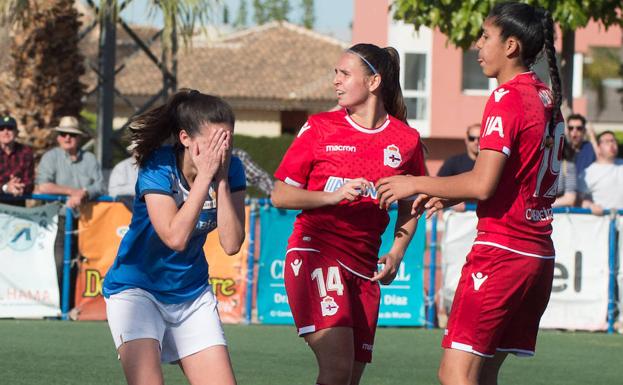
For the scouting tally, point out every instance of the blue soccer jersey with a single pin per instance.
(143, 260)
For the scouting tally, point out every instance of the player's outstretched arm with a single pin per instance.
(406, 224)
(294, 198)
(478, 184)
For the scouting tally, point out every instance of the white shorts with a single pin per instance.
(181, 329)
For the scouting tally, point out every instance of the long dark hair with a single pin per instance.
(386, 62)
(186, 110)
(534, 28)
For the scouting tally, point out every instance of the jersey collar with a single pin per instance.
(363, 129)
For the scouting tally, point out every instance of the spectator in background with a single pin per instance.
(464, 162)
(256, 176)
(583, 150)
(123, 176)
(67, 170)
(567, 179)
(16, 163)
(601, 184)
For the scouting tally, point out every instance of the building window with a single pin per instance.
(473, 78)
(415, 86)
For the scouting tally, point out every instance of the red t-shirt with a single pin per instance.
(518, 216)
(331, 148)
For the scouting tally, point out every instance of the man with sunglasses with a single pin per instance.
(584, 153)
(67, 170)
(461, 163)
(16, 163)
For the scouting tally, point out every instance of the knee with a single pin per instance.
(338, 372)
(443, 375)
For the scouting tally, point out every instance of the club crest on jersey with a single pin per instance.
(296, 266)
(391, 156)
(494, 124)
(329, 306)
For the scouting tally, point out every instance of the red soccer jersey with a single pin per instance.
(331, 149)
(518, 216)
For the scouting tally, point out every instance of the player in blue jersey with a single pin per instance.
(160, 305)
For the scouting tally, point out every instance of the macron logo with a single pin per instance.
(296, 266)
(338, 147)
(499, 94)
(494, 124)
(305, 127)
(479, 279)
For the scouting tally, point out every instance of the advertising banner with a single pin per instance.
(402, 303)
(28, 281)
(579, 296)
(100, 229)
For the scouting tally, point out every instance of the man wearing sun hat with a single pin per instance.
(16, 163)
(67, 170)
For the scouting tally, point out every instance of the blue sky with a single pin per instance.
(333, 17)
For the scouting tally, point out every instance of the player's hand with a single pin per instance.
(394, 188)
(390, 268)
(207, 153)
(350, 191)
(430, 204)
(223, 170)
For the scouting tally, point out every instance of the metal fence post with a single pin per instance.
(430, 317)
(69, 224)
(251, 260)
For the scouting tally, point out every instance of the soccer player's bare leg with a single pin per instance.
(491, 368)
(459, 368)
(210, 366)
(334, 352)
(140, 360)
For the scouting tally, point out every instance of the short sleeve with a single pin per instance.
(297, 162)
(236, 177)
(45, 171)
(154, 177)
(501, 121)
(571, 178)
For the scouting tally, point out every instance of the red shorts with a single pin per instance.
(323, 293)
(499, 302)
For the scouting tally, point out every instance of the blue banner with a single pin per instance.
(402, 302)
(272, 301)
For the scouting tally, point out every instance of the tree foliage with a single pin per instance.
(461, 20)
(243, 14)
(269, 10)
(308, 14)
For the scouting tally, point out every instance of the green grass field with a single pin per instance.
(55, 352)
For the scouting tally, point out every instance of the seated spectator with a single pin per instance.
(256, 176)
(67, 170)
(123, 177)
(601, 184)
(16, 163)
(567, 180)
(583, 150)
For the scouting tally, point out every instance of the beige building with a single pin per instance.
(273, 75)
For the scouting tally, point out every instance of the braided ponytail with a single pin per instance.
(550, 53)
